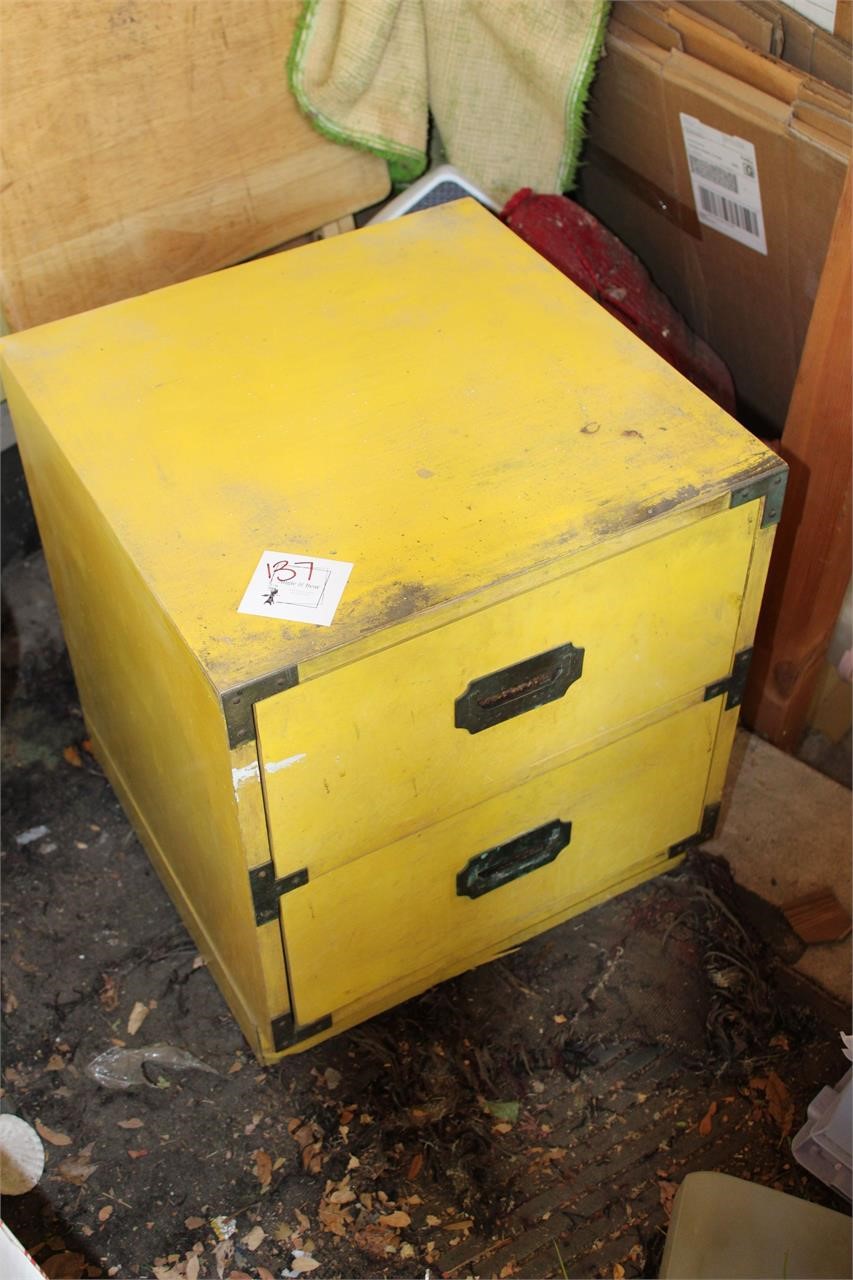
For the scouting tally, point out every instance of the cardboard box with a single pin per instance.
(778, 29)
(743, 269)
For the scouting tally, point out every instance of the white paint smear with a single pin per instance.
(283, 764)
(245, 774)
(250, 772)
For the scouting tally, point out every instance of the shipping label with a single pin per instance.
(724, 175)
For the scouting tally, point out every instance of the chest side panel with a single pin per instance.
(155, 721)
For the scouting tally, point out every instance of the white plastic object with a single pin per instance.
(823, 1144)
(125, 1068)
(438, 186)
(725, 1228)
(15, 1262)
(21, 1156)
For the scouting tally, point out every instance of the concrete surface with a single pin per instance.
(785, 831)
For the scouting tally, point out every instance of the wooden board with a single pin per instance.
(148, 141)
(812, 559)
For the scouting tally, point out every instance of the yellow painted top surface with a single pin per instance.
(428, 399)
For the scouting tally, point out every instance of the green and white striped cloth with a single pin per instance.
(505, 80)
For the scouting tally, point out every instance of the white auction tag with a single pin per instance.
(297, 587)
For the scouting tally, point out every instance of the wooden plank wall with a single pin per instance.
(147, 141)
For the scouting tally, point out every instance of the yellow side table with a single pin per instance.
(409, 598)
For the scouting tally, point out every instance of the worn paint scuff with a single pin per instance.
(276, 765)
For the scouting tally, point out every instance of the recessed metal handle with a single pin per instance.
(506, 862)
(513, 690)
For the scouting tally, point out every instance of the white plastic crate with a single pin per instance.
(823, 1144)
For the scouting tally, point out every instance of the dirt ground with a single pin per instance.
(532, 1118)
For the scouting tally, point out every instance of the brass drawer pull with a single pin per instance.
(506, 862)
(513, 690)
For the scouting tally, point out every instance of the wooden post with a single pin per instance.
(811, 562)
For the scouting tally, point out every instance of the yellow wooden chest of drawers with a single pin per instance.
(525, 698)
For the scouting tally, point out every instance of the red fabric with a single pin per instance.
(600, 264)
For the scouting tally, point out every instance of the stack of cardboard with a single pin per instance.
(718, 155)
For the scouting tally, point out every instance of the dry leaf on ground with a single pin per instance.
(375, 1239)
(223, 1253)
(254, 1237)
(138, 1014)
(105, 1213)
(779, 1101)
(135, 1123)
(396, 1219)
(52, 1136)
(72, 756)
(706, 1124)
(108, 994)
(77, 1169)
(667, 1192)
(64, 1266)
(333, 1219)
(309, 1136)
(263, 1167)
(304, 1263)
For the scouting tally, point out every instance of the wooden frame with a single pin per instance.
(811, 563)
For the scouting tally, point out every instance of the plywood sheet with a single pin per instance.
(147, 141)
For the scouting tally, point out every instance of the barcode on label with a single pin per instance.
(729, 211)
(713, 172)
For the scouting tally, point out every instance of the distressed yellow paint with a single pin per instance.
(395, 761)
(171, 771)
(406, 893)
(508, 469)
(430, 619)
(759, 564)
(251, 814)
(386, 398)
(761, 548)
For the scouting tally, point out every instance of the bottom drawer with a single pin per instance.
(426, 903)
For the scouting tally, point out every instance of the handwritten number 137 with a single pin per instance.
(283, 571)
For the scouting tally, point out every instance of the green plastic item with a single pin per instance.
(725, 1228)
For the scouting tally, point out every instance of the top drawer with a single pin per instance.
(378, 749)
